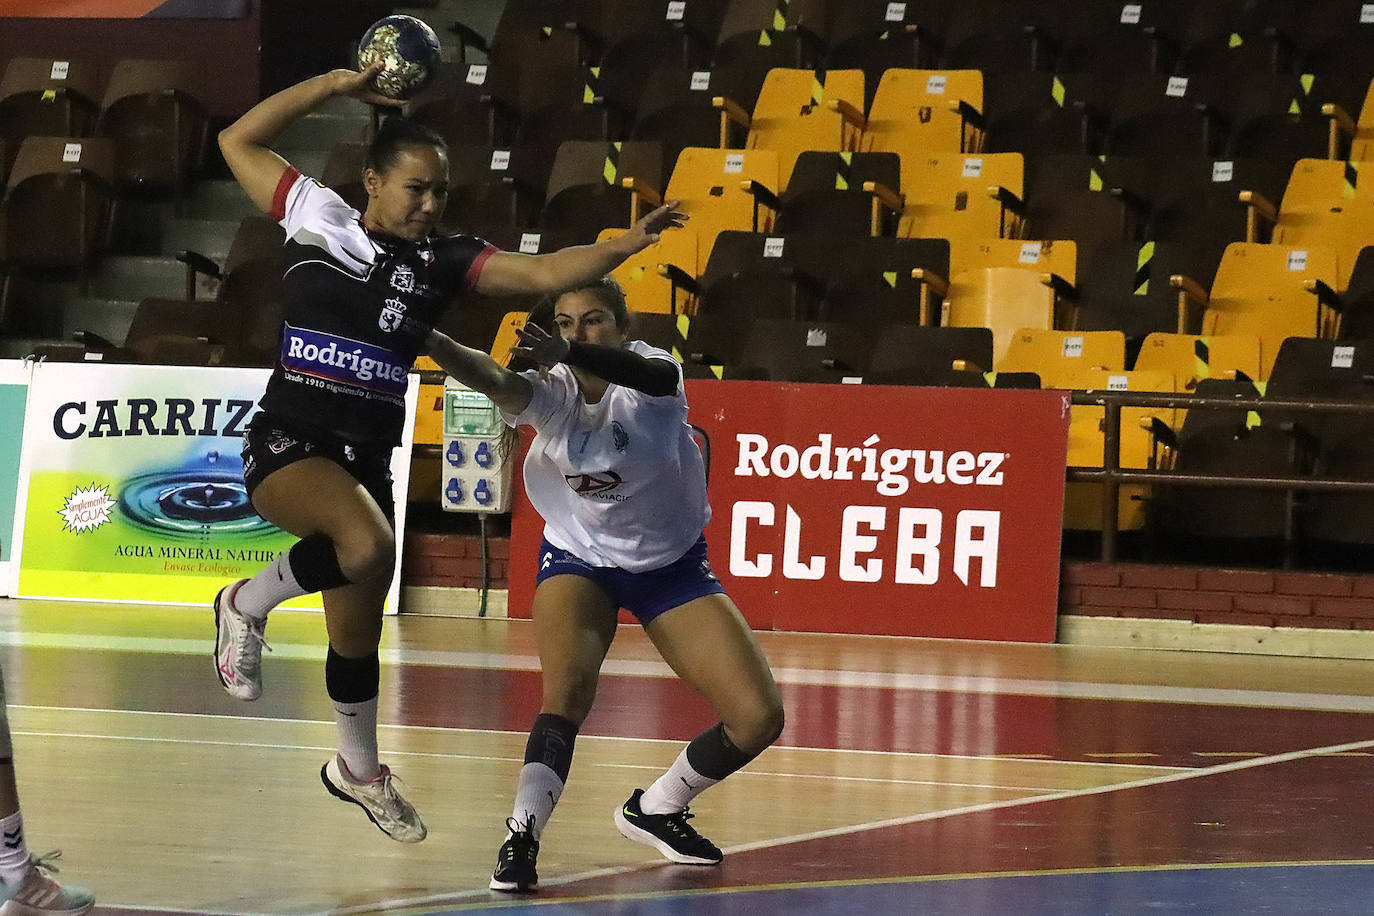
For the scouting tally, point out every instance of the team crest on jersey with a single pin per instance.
(593, 484)
(619, 437)
(392, 315)
(403, 278)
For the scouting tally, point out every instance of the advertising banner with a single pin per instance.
(124, 9)
(135, 484)
(14, 389)
(883, 510)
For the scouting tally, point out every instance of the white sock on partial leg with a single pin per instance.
(357, 723)
(267, 589)
(536, 795)
(675, 789)
(14, 852)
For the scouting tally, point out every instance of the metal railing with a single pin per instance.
(1112, 476)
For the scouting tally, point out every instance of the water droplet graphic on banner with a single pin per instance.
(205, 497)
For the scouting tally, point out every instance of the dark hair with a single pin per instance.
(395, 133)
(606, 290)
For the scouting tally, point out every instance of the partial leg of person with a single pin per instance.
(707, 642)
(353, 616)
(574, 624)
(345, 539)
(25, 878)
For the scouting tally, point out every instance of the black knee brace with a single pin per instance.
(351, 680)
(315, 564)
(551, 743)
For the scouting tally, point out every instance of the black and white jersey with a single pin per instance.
(357, 307)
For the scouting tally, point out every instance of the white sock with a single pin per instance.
(267, 589)
(536, 795)
(357, 724)
(675, 789)
(14, 852)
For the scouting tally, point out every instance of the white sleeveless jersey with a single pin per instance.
(619, 482)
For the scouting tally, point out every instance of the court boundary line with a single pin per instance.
(788, 676)
(1010, 758)
(1200, 772)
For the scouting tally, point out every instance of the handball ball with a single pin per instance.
(409, 50)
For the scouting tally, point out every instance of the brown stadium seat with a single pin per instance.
(796, 112)
(467, 103)
(920, 113)
(1012, 35)
(46, 97)
(772, 34)
(249, 291)
(877, 36)
(155, 111)
(343, 172)
(596, 185)
(1142, 429)
(909, 354)
(1230, 524)
(842, 193)
(881, 281)
(806, 351)
(54, 216)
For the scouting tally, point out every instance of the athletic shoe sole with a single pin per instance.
(341, 795)
(630, 832)
(512, 887)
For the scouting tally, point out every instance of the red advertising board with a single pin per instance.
(870, 509)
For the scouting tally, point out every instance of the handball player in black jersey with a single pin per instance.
(361, 293)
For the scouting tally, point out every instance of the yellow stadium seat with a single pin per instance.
(649, 277)
(1061, 357)
(1192, 358)
(1002, 299)
(1139, 448)
(795, 112)
(926, 112)
(965, 199)
(1270, 291)
(721, 189)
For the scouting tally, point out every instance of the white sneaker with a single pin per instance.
(239, 641)
(384, 806)
(39, 895)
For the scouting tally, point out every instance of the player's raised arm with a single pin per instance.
(246, 143)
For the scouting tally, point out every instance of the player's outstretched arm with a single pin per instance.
(508, 390)
(245, 143)
(509, 273)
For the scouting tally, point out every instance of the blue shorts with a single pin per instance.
(645, 594)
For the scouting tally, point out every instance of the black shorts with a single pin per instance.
(272, 444)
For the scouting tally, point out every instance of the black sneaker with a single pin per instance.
(670, 834)
(515, 862)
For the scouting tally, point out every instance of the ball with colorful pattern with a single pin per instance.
(409, 51)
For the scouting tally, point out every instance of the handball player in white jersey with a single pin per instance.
(621, 486)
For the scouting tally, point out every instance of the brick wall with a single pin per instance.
(1259, 598)
(1201, 595)
(453, 561)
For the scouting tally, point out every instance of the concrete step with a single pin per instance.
(218, 200)
(110, 318)
(132, 277)
(307, 160)
(20, 347)
(322, 129)
(211, 238)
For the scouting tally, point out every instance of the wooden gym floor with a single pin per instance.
(915, 776)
